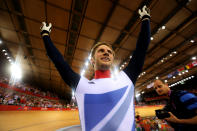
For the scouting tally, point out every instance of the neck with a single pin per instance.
(102, 74)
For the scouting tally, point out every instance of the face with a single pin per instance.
(103, 58)
(161, 88)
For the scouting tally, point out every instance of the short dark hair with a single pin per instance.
(160, 80)
(99, 44)
(163, 81)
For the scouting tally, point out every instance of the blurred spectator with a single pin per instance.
(152, 124)
(28, 88)
(10, 97)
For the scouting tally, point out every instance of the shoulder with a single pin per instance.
(178, 93)
(183, 95)
(187, 99)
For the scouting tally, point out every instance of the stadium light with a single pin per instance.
(16, 71)
(83, 72)
(86, 64)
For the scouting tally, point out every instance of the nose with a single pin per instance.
(106, 53)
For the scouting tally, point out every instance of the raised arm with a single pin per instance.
(69, 76)
(137, 61)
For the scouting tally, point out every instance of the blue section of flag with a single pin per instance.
(116, 120)
(97, 106)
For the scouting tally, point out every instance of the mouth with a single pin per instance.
(159, 92)
(105, 59)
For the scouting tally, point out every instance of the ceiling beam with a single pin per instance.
(173, 34)
(115, 2)
(176, 63)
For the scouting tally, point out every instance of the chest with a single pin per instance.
(101, 86)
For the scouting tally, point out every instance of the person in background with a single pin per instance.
(182, 107)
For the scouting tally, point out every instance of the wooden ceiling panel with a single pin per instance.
(33, 9)
(120, 18)
(52, 66)
(185, 46)
(190, 30)
(130, 43)
(40, 54)
(192, 51)
(168, 65)
(90, 28)
(2, 5)
(152, 25)
(46, 82)
(5, 20)
(35, 68)
(55, 78)
(37, 43)
(134, 27)
(109, 35)
(55, 83)
(66, 4)
(76, 69)
(149, 70)
(45, 76)
(98, 9)
(151, 45)
(148, 61)
(44, 64)
(122, 54)
(131, 5)
(192, 5)
(85, 43)
(9, 35)
(77, 63)
(160, 35)
(13, 47)
(158, 52)
(25, 66)
(173, 42)
(178, 60)
(45, 72)
(58, 36)
(66, 88)
(33, 28)
(37, 62)
(20, 58)
(81, 55)
(162, 9)
(178, 19)
(55, 73)
(58, 16)
(25, 53)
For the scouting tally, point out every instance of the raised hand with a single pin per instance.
(45, 28)
(144, 13)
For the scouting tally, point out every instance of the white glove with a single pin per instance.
(45, 28)
(144, 12)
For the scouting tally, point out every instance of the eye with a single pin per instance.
(109, 51)
(159, 86)
(101, 50)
